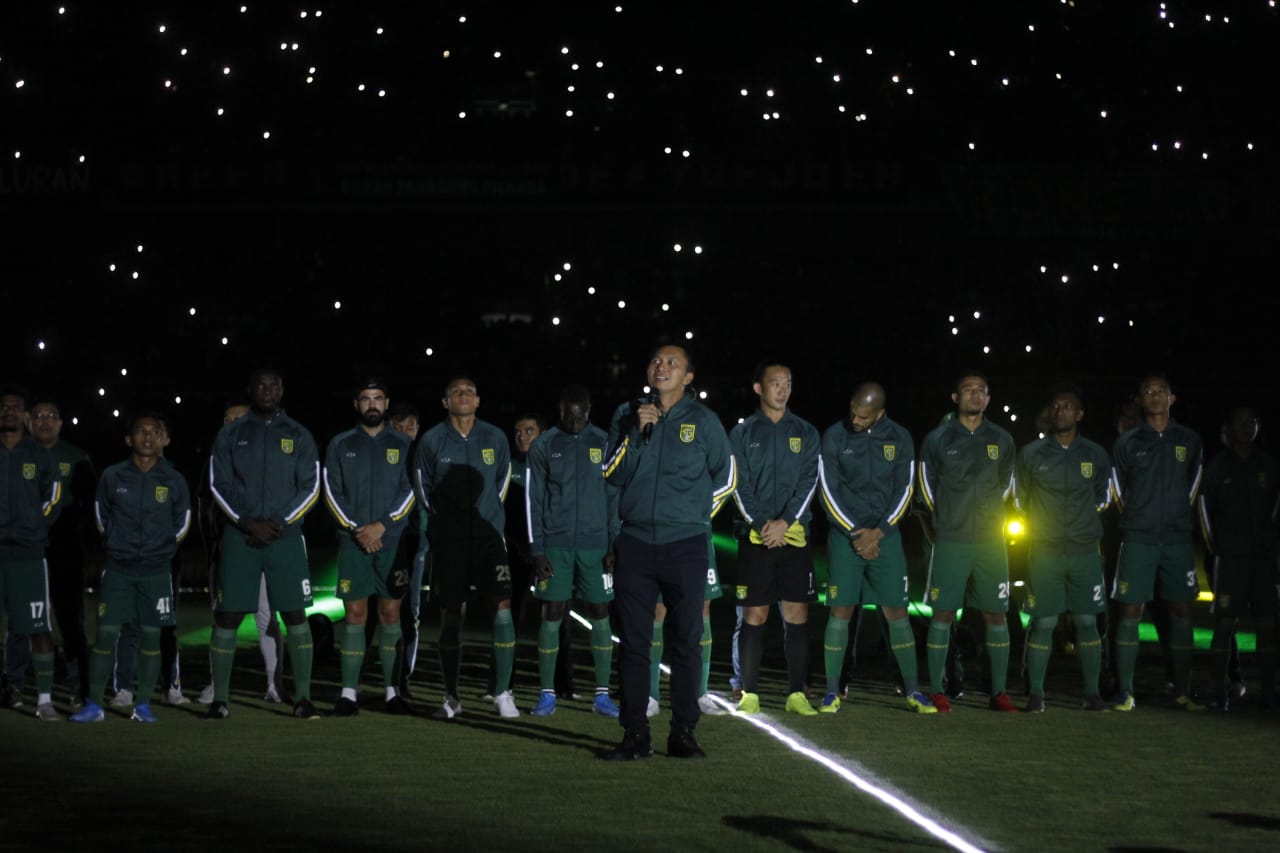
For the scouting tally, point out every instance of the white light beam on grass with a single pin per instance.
(902, 807)
(789, 740)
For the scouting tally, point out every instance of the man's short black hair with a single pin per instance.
(965, 374)
(688, 356)
(400, 411)
(575, 394)
(763, 367)
(532, 416)
(144, 415)
(1067, 388)
(460, 377)
(16, 391)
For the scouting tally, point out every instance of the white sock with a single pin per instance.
(349, 693)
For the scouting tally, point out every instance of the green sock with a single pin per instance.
(1039, 648)
(388, 639)
(903, 642)
(602, 651)
(1265, 628)
(1126, 652)
(450, 650)
(504, 649)
(104, 651)
(548, 651)
(352, 651)
(655, 659)
(1181, 640)
(834, 641)
(148, 664)
(42, 663)
(1219, 653)
(222, 655)
(301, 654)
(936, 643)
(705, 645)
(998, 655)
(1089, 650)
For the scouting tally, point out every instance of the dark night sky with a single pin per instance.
(439, 213)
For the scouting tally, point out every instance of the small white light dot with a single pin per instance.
(302, 14)
(134, 275)
(818, 59)
(573, 67)
(244, 9)
(162, 28)
(697, 250)
(293, 46)
(600, 64)
(1043, 268)
(1028, 347)
(337, 305)
(567, 266)
(497, 54)
(226, 69)
(572, 88)
(702, 395)
(684, 153)
(678, 70)
(775, 115)
(102, 392)
(382, 93)
(895, 78)
(555, 321)
(986, 350)
(225, 341)
(568, 113)
(284, 45)
(972, 146)
(1031, 27)
(1179, 88)
(192, 310)
(182, 52)
(951, 318)
(1130, 324)
(1065, 279)
(666, 306)
(62, 10)
(1101, 319)
(1102, 113)
(1004, 81)
(168, 84)
(910, 90)
(742, 92)
(869, 52)
(310, 79)
(40, 345)
(591, 291)
(835, 78)
(19, 84)
(1155, 147)
(1006, 410)
(688, 336)
(111, 267)
(1095, 267)
(1115, 265)
(954, 330)
(124, 371)
(430, 351)
(1177, 145)
(557, 277)
(658, 68)
(462, 19)
(177, 400)
(677, 247)
(462, 114)
(617, 9)
(379, 31)
(1204, 155)
(1013, 417)
(977, 315)
(973, 62)
(564, 50)
(768, 93)
(115, 413)
(139, 247)
(666, 150)
(82, 157)
(266, 134)
(1249, 145)
(17, 155)
(609, 95)
(359, 87)
(622, 303)
(221, 110)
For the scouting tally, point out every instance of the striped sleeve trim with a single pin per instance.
(332, 502)
(903, 505)
(506, 485)
(616, 459)
(185, 528)
(404, 508)
(55, 495)
(829, 500)
(218, 497)
(1195, 484)
(307, 502)
(925, 491)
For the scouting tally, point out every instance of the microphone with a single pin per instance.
(647, 431)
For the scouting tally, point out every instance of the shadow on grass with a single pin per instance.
(1253, 821)
(795, 833)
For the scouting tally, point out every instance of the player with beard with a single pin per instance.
(366, 485)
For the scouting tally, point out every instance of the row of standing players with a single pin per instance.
(771, 464)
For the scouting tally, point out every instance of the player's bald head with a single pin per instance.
(869, 394)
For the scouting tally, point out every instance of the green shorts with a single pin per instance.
(578, 573)
(851, 580)
(969, 574)
(1059, 582)
(361, 575)
(24, 595)
(1140, 566)
(283, 563)
(1244, 585)
(145, 599)
(458, 565)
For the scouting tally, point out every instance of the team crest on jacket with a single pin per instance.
(1180, 451)
(393, 455)
(596, 455)
(687, 432)
(1086, 470)
(28, 470)
(487, 455)
(64, 468)
(890, 452)
(162, 494)
(286, 445)
(794, 444)
(993, 451)
(741, 593)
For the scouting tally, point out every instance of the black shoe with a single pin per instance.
(396, 706)
(635, 744)
(344, 707)
(304, 710)
(681, 744)
(217, 711)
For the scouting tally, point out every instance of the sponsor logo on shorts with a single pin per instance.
(596, 455)
(1123, 587)
(890, 452)
(1180, 451)
(993, 451)
(28, 470)
(543, 584)
(741, 592)
(687, 432)
(488, 455)
(102, 610)
(1086, 470)
(393, 455)
(934, 593)
(833, 591)
(344, 585)
(794, 444)
(162, 494)
(286, 445)
(1031, 601)
(64, 468)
